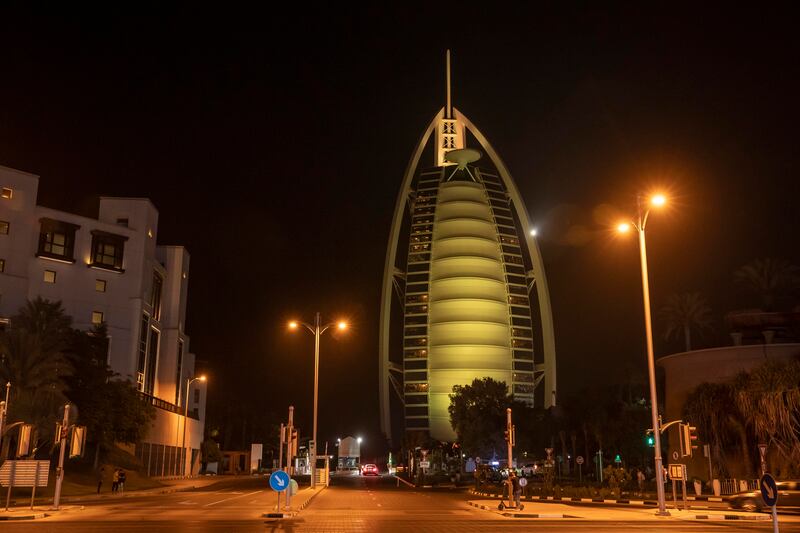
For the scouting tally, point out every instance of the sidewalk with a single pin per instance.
(40, 511)
(559, 510)
(170, 486)
(299, 502)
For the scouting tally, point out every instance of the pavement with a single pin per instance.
(601, 513)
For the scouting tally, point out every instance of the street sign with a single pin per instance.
(549, 452)
(24, 473)
(769, 489)
(477, 460)
(579, 460)
(522, 482)
(279, 481)
(675, 455)
(424, 464)
(677, 472)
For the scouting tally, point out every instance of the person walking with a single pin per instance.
(115, 481)
(640, 480)
(100, 473)
(121, 480)
(517, 489)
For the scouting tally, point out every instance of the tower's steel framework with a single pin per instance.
(466, 287)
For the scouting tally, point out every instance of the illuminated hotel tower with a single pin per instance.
(471, 286)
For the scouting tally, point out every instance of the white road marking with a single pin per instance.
(233, 498)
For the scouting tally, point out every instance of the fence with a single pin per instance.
(732, 486)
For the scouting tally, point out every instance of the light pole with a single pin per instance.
(3, 412)
(189, 382)
(317, 330)
(643, 211)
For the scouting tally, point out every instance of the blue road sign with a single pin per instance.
(769, 489)
(279, 481)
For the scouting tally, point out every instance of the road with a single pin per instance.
(351, 504)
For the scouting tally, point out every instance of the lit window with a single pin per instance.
(107, 250)
(3, 227)
(56, 239)
(155, 295)
(150, 233)
(7, 193)
(100, 285)
(49, 276)
(2, 265)
(97, 318)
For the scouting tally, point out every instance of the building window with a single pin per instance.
(107, 250)
(155, 295)
(49, 276)
(142, 352)
(122, 222)
(179, 374)
(197, 396)
(7, 193)
(100, 285)
(97, 318)
(2, 265)
(3, 227)
(152, 359)
(56, 239)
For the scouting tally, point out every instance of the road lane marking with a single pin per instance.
(233, 498)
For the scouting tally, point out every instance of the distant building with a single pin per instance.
(110, 270)
(466, 269)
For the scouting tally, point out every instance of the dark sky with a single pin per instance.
(274, 143)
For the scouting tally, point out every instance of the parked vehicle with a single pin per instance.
(788, 498)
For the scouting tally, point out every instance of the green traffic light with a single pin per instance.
(651, 441)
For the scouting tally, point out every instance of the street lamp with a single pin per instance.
(189, 382)
(643, 211)
(317, 330)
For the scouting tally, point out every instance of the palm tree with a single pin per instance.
(712, 408)
(769, 400)
(32, 358)
(684, 313)
(770, 279)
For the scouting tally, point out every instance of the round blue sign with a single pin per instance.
(769, 489)
(279, 481)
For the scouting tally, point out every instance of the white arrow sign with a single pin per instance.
(279, 481)
(768, 490)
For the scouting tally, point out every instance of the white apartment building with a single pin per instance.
(111, 270)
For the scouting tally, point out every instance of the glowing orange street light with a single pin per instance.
(643, 211)
(189, 382)
(317, 330)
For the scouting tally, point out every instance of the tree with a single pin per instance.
(684, 313)
(110, 408)
(712, 408)
(32, 358)
(769, 400)
(477, 415)
(771, 280)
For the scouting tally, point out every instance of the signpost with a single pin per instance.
(769, 492)
(677, 472)
(279, 482)
(579, 462)
(24, 474)
(762, 452)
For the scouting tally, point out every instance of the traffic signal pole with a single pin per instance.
(510, 441)
(63, 444)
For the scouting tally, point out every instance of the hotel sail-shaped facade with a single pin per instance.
(468, 277)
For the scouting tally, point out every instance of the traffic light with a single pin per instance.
(649, 438)
(688, 434)
(510, 436)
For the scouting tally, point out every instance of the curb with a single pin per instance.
(292, 514)
(623, 501)
(730, 517)
(23, 517)
(305, 503)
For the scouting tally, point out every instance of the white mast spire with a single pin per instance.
(449, 108)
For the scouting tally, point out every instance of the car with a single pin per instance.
(369, 470)
(751, 500)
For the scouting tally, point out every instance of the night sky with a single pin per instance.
(273, 144)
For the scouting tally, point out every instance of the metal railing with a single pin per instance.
(732, 486)
(167, 406)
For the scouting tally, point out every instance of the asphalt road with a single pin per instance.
(351, 504)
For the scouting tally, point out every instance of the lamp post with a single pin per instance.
(3, 413)
(643, 211)
(317, 330)
(189, 382)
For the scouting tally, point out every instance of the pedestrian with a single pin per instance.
(517, 489)
(115, 481)
(121, 485)
(100, 473)
(640, 479)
